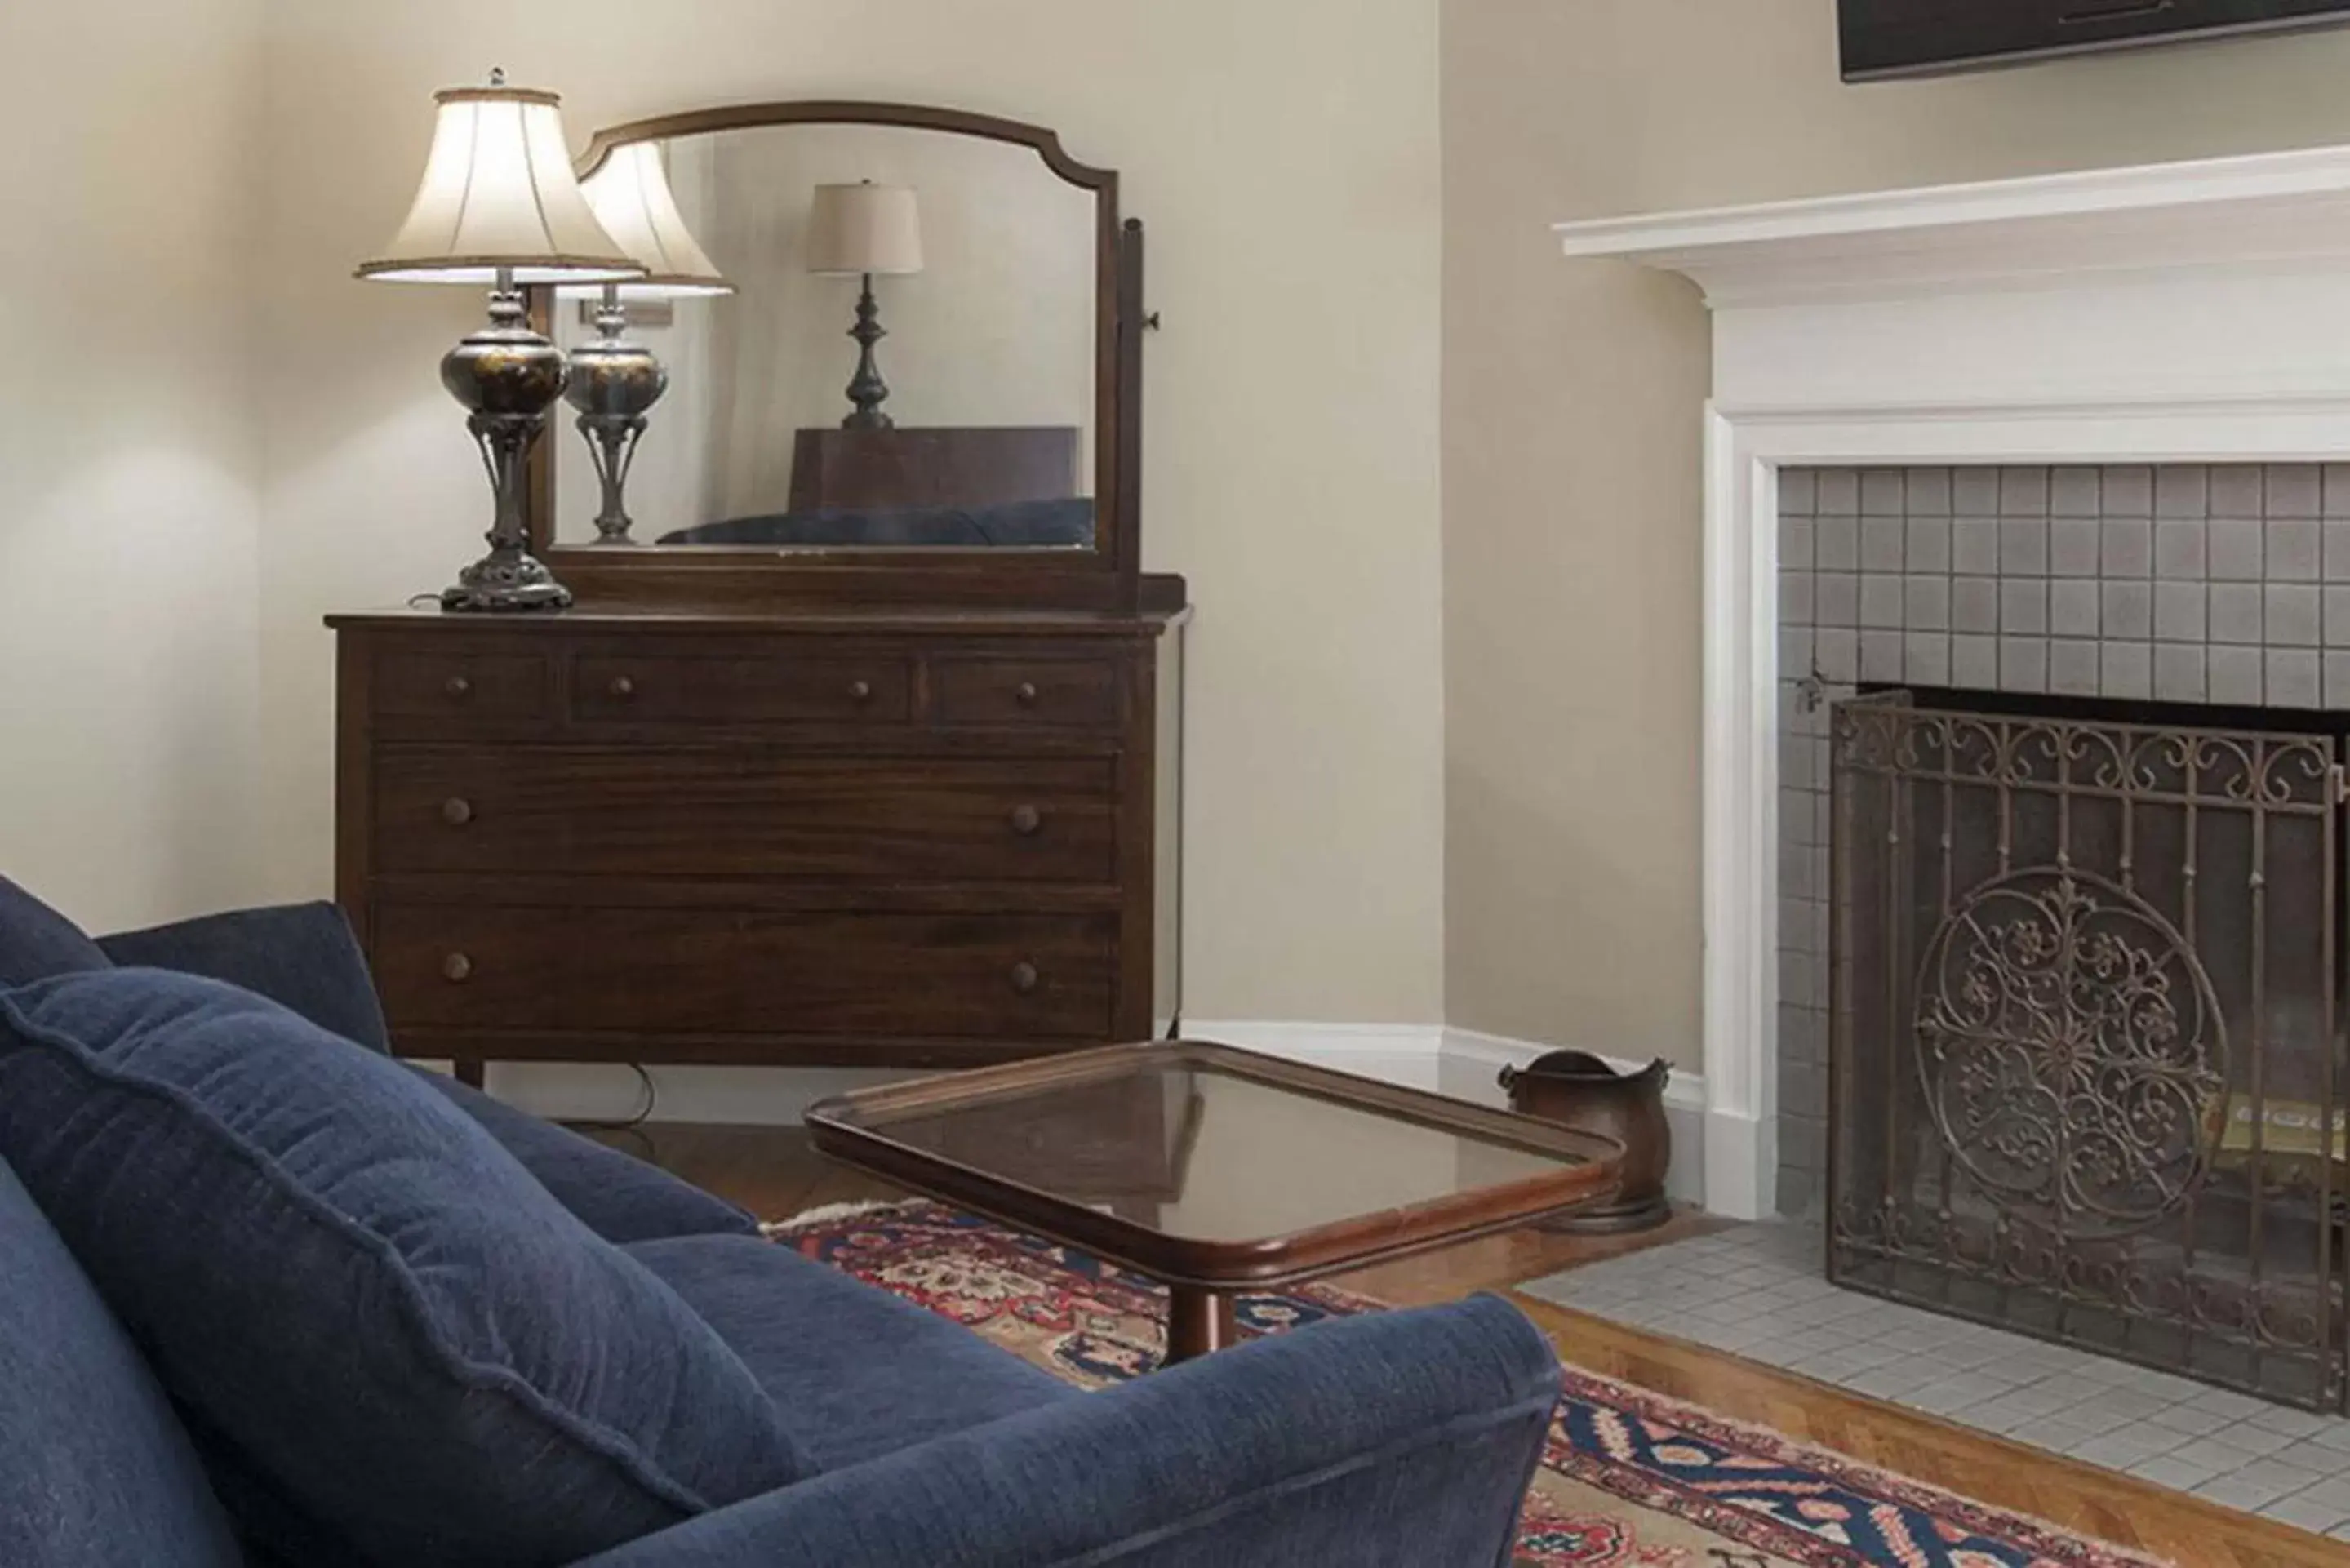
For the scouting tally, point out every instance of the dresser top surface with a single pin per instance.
(879, 620)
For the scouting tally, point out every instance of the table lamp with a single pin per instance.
(614, 382)
(498, 206)
(862, 231)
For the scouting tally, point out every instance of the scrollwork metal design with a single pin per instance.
(2071, 1048)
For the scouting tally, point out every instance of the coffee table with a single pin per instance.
(1212, 1169)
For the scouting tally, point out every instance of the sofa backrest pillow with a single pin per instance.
(36, 942)
(95, 1469)
(350, 1281)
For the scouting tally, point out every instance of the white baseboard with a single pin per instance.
(1463, 1062)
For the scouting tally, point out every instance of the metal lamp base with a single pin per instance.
(508, 376)
(497, 585)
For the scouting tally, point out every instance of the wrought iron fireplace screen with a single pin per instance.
(2086, 1076)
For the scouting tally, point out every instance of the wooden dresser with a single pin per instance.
(896, 837)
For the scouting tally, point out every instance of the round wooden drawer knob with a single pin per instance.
(1025, 979)
(458, 688)
(621, 688)
(861, 692)
(1025, 693)
(456, 811)
(457, 969)
(1027, 820)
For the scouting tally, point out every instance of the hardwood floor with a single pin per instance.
(774, 1173)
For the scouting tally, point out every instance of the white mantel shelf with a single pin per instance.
(2286, 211)
(2179, 313)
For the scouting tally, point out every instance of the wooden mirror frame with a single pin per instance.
(1107, 578)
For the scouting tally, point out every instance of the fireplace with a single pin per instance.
(2086, 962)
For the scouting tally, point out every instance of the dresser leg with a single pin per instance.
(1198, 1321)
(473, 1075)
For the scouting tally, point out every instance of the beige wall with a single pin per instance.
(1286, 158)
(1571, 427)
(128, 548)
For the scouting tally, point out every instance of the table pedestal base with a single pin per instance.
(1198, 1321)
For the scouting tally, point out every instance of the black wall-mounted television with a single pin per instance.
(1920, 38)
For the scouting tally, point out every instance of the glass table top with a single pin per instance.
(1217, 1146)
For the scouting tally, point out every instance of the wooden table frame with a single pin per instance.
(1204, 1276)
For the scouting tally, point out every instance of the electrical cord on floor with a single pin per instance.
(642, 1114)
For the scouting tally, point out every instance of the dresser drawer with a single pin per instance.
(606, 811)
(461, 686)
(1080, 693)
(1042, 977)
(719, 689)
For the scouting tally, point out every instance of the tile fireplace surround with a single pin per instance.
(2226, 584)
(2156, 357)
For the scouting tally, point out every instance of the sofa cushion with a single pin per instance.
(36, 942)
(301, 956)
(94, 1470)
(621, 1198)
(859, 1371)
(359, 1290)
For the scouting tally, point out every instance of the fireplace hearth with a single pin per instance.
(2086, 1064)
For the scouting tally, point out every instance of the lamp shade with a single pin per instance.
(498, 196)
(631, 198)
(865, 228)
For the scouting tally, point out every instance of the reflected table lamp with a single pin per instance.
(499, 207)
(614, 382)
(866, 230)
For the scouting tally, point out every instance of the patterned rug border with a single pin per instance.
(2055, 1545)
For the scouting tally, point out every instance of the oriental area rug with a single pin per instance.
(1630, 1478)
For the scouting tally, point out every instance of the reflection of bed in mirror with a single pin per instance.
(1001, 486)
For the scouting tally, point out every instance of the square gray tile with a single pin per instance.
(2129, 491)
(2236, 612)
(2235, 490)
(1928, 492)
(2129, 610)
(2023, 492)
(2235, 546)
(2294, 678)
(2023, 605)
(1974, 546)
(2128, 547)
(2073, 546)
(2235, 674)
(1883, 493)
(2024, 663)
(2178, 673)
(1798, 492)
(2179, 549)
(2294, 550)
(2074, 608)
(2292, 614)
(1975, 492)
(2181, 490)
(1974, 604)
(1927, 604)
(2335, 675)
(1882, 543)
(1880, 655)
(2180, 612)
(2336, 614)
(2072, 668)
(2023, 546)
(1927, 547)
(1974, 663)
(1836, 598)
(1795, 534)
(1838, 492)
(1837, 543)
(2076, 492)
(1927, 657)
(2128, 671)
(2293, 490)
(1880, 600)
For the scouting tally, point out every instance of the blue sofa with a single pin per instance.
(1404, 1439)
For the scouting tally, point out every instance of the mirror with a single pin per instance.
(972, 420)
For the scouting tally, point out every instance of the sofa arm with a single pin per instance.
(300, 956)
(1402, 1438)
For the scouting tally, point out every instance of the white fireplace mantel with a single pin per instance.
(2178, 313)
